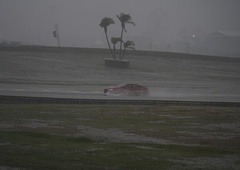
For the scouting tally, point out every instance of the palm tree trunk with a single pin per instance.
(124, 51)
(114, 51)
(109, 45)
(120, 55)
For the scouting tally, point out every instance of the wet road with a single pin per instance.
(99, 95)
(83, 75)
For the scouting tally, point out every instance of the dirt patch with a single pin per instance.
(227, 162)
(117, 135)
(214, 131)
(11, 168)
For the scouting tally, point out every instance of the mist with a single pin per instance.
(161, 21)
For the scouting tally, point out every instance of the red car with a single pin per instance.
(127, 89)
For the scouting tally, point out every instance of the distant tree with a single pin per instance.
(129, 45)
(118, 61)
(124, 19)
(104, 24)
(114, 41)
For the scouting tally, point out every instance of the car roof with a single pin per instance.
(123, 84)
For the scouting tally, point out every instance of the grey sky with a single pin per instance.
(33, 21)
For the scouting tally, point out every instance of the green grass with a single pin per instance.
(50, 137)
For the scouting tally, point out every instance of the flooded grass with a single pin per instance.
(119, 137)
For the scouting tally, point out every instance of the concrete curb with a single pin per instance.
(49, 100)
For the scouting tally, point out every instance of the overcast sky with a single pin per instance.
(33, 21)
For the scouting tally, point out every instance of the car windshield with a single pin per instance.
(121, 85)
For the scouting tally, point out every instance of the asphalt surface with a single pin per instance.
(82, 74)
(100, 95)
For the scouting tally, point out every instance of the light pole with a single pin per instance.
(57, 35)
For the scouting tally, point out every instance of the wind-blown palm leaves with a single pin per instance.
(104, 24)
(114, 41)
(124, 19)
(129, 45)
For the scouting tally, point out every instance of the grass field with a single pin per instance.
(119, 137)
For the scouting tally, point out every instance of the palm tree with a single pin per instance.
(129, 45)
(114, 42)
(124, 19)
(104, 24)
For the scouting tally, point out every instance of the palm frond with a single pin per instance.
(131, 22)
(125, 18)
(106, 21)
(129, 44)
(115, 40)
(119, 18)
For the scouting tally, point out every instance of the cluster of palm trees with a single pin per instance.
(124, 19)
